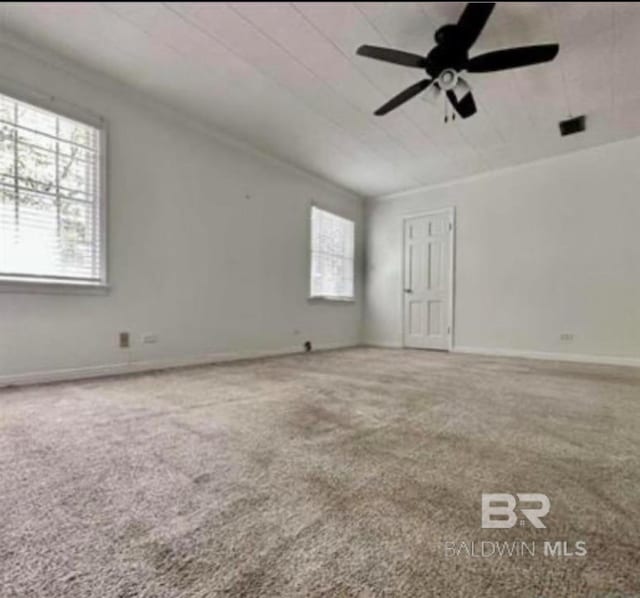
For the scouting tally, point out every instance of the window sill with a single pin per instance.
(331, 299)
(53, 287)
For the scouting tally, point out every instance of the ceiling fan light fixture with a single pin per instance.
(447, 79)
(450, 56)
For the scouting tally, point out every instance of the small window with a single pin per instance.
(332, 243)
(51, 227)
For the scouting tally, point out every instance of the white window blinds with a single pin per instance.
(50, 214)
(332, 244)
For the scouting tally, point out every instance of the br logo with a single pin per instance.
(499, 510)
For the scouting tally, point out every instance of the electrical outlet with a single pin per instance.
(124, 340)
(149, 338)
(566, 337)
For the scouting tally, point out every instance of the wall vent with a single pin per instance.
(574, 125)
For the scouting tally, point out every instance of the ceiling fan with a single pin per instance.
(450, 56)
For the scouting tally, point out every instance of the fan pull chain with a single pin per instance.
(446, 111)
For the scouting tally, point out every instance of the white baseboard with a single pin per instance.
(117, 369)
(376, 345)
(549, 356)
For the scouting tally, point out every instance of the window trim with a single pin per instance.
(329, 298)
(51, 103)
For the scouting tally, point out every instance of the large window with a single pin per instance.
(332, 242)
(50, 200)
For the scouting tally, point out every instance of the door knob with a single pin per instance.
(408, 291)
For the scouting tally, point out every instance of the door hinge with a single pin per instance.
(450, 225)
(448, 329)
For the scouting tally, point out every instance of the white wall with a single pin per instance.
(543, 249)
(191, 259)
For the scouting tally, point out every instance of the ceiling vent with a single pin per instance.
(572, 125)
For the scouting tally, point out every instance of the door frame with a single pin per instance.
(451, 211)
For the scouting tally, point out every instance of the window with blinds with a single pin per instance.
(332, 245)
(50, 212)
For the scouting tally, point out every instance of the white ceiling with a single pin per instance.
(285, 78)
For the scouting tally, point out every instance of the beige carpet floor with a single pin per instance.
(342, 473)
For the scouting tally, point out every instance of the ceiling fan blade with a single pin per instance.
(403, 97)
(391, 55)
(472, 21)
(512, 58)
(466, 105)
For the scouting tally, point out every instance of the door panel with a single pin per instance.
(427, 276)
(434, 267)
(416, 318)
(434, 318)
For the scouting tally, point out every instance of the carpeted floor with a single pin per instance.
(343, 473)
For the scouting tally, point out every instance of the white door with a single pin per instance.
(428, 255)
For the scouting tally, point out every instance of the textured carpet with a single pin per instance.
(342, 473)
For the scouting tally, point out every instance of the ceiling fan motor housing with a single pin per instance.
(445, 57)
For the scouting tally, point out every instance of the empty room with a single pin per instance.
(319, 299)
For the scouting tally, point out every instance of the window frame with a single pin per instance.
(331, 298)
(71, 111)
